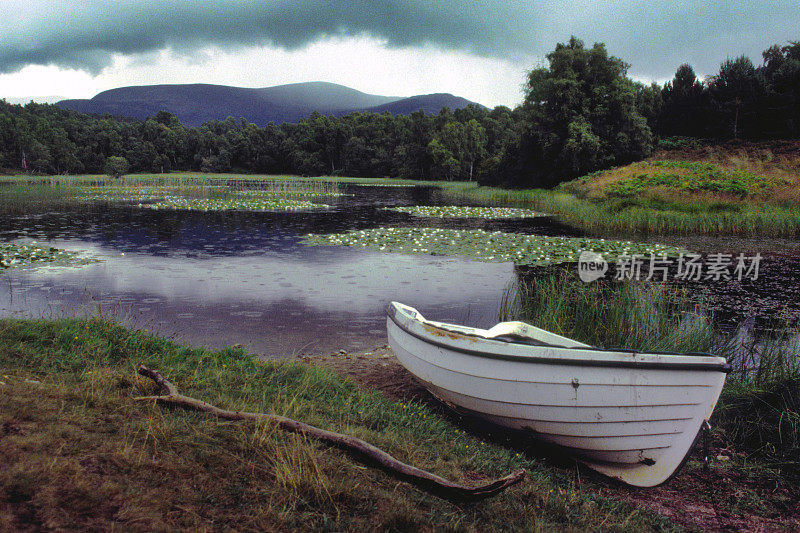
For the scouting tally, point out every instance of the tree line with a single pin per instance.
(580, 113)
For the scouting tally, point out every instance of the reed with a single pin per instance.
(762, 418)
(20, 195)
(760, 408)
(629, 315)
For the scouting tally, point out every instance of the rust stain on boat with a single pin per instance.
(449, 334)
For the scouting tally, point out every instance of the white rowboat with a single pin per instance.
(632, 416)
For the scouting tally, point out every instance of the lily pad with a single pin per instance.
(289, 194)
(536, 250)
(459, 211)
(32, 255)
(276, 196)
(121, 196)
(242, 202)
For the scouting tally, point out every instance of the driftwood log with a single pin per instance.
(362, 450)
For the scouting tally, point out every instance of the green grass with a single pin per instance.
(629, 215)
(762, 417)
(716, 191)
(204, 177)
(675, 177)
(79, 453)
(182, 180)
(760, 410)
(641, 215)
(719, 190)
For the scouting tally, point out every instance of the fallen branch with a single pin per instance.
(362, 449)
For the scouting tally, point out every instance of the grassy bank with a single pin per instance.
(79, 453)
(635, 215)
(694, 188)
(686, 181)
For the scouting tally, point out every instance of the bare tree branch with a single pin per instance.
(363, 450)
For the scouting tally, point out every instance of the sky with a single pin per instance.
(480, 50)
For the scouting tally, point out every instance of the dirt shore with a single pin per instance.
(724, 498)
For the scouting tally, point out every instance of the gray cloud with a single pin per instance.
(655, 37)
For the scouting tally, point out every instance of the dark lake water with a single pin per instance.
(217, 279)
(223, 278)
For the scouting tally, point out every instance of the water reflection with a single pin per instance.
(218, 279)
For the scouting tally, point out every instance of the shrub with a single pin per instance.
(116, 166)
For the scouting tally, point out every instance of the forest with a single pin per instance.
(579, 114)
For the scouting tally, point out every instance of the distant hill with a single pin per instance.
(194, 104)
(430, 103)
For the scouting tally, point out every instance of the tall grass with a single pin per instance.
(762, 418)
(181, 180)
(760, 409)
(628, 315)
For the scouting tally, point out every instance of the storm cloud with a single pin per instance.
(655, 37)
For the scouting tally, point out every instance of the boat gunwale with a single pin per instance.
(724, 366)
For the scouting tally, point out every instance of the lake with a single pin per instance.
(223, 278)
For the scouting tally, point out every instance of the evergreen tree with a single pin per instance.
(781, 71)
(737, 90)
(686, 106)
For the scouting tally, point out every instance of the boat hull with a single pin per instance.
(628, 415)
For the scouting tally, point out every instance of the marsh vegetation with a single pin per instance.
(482, 245)
(461, 211)
(643, 216)
(81, 454)
(177, 191)
(688, 187)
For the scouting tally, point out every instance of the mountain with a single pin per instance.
(430, 103)
(194, 104)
